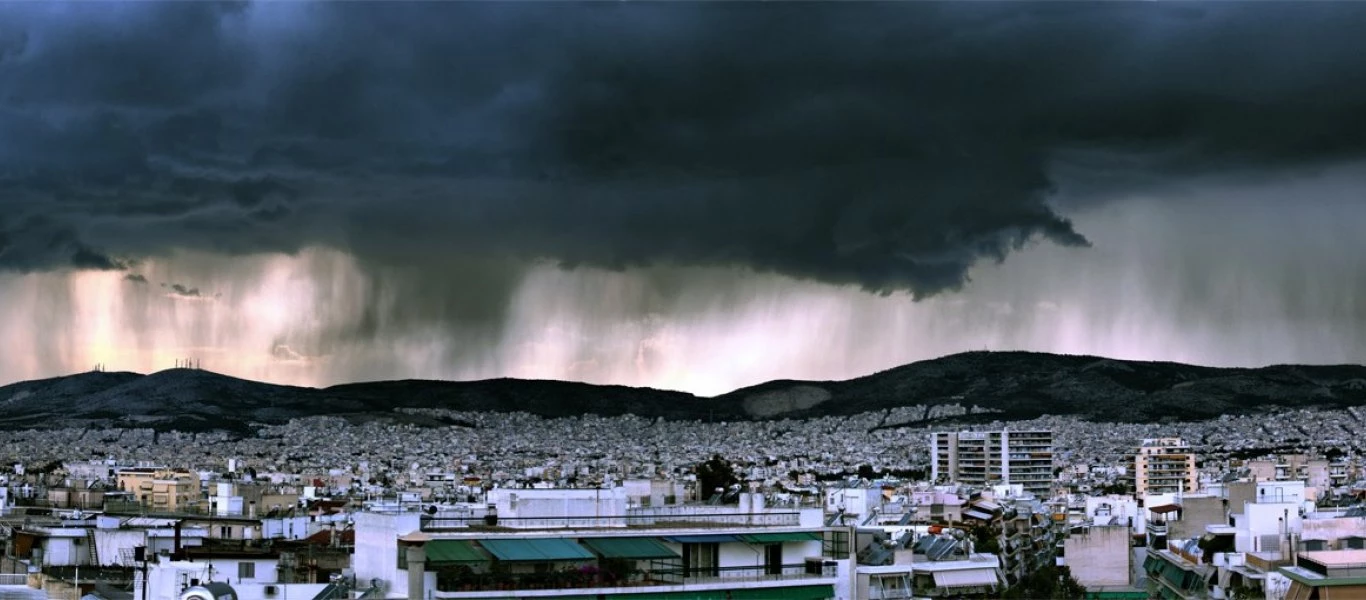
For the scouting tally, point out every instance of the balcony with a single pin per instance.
(464, 582)
(1157, 527)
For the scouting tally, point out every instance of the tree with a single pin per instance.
(713, 473)
(984, 539)
(1048, 582)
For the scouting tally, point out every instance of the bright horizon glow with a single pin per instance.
(1232, 277)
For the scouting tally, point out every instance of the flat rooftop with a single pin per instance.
(1337, 559)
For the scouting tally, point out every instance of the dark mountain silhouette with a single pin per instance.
(1013, 385)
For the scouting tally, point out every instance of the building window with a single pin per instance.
(836, 544)
(773, 559)
(700, 560)
(246, 570)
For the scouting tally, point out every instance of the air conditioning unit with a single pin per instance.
(271, 590)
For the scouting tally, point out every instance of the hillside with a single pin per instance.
(1019, 384)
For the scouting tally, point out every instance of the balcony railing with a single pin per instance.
(589, 577)
(661, 517)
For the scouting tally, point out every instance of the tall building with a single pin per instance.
(993, 458)
(1165, 466)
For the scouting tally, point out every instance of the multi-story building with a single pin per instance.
(165, 490)
(1165, 466)
(990, 458)
(591, 544)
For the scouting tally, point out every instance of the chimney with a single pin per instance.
(177, 536)
(417, 563)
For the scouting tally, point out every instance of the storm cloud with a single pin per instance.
(887, 146)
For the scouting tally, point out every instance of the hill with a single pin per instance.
(1017, 384)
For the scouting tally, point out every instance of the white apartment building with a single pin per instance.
(990, 458)
(589, 544)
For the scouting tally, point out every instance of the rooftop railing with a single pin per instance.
(650, 517)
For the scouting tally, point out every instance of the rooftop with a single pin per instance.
(1338, 559)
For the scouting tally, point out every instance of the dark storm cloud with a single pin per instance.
(890, 146)
(135, 278)
(181, 290)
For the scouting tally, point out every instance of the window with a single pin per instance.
(889, 586)
(700, 560)
(246, 570)
(773, 559)
(836, 544)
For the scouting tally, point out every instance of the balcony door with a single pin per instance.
(701, 560)
(773, 559)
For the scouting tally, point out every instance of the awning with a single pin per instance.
(1152, 565)
(966, 578)
(1166, 508)
(799, 592)
(453, 551)
(701, 539)
(536, 549)
(1298, 591)
(977, 514)
(777, 538)
(634, 547)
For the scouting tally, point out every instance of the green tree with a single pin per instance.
(985, 539)
(715, 472)
(1051, 582)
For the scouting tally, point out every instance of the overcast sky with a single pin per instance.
(692, 196)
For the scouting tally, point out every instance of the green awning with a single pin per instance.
(799, 592)
(453, 551)
(776, 538)
(1152, 565)
(632, 547)
(702, 539)
(536, 549)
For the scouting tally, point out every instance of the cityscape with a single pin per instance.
(515, 504)
(687, 300)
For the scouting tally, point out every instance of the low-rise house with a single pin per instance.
(1326, 575)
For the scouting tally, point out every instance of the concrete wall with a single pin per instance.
(1100, 557)
(514, 504)
(740, 555)
(64, 551)
(1333, 529)
(291, 528)
(376, 554)
(1196, 513)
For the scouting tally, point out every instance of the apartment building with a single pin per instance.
(165, 490)
(590, 544)
(989, 458)
(1165, 466)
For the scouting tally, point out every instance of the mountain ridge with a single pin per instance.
(1012, 385)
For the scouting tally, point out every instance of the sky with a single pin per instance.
(676, 195)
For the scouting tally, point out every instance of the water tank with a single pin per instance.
(209, 591)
